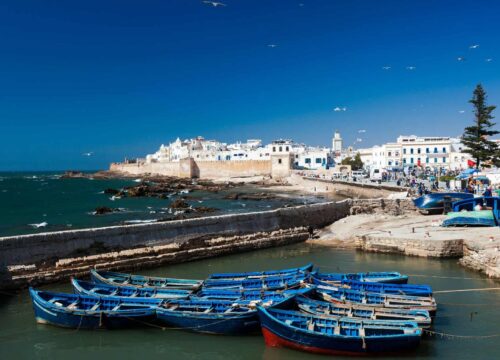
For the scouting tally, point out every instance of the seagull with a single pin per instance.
(88, 153)
(410, 68)
(473, 46)
(489, 60)
(338, 109)
(361, 131)
(214, 3)
(461, 111)
(272, 45)
(460, 58)
(386, 67)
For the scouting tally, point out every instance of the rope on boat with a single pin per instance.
(465, 290)
(452, 336)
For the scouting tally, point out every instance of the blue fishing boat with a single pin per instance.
(221, 316)
(380, 277)
(479, 211)
(316, 307)
(265, 283)
(383, 288)
(328, 335)
(120, 279)
(346, 296)
(249, 295)
(91, 312)
(260, 274)
(101, 289)
(434, 202)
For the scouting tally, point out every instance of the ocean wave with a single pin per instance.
(37, 226)
(140, 221)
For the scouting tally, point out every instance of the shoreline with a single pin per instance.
(387, 225)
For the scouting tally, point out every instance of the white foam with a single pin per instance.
(36, 226)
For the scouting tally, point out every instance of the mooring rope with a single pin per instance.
(453, 336)
(465, 290)
(449, 277)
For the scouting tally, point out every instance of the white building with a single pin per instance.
(337, 142)
(413, 151)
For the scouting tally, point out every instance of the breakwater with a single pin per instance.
(46, 257)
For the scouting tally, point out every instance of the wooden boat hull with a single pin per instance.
(324, 308)
(278, 333)
(47, 313)
(243, 320)
(489, 216)
(222, 324)
(249, 295)
(120, 279)
(380, 277)
(345, 296)
(101, 289)
(261, 274)
(434, 202)
(382, 288)
(268, 283)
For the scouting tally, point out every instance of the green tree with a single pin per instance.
(475, 137)
(355, 162)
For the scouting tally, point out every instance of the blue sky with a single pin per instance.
(119, 78)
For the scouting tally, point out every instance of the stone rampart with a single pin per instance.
(45, 250)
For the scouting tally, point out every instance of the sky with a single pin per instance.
(117, 78)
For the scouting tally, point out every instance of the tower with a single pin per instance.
(336, 142)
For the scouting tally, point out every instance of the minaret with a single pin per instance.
(337, 142)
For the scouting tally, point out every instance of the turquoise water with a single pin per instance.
(35, 198)
(22, 338)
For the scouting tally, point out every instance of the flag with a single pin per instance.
(471, 163)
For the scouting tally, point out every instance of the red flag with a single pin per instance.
(471, 163)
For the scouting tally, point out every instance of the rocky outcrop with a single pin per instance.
(179, 204)
(102, 210)
(482, 256)
(249, 196)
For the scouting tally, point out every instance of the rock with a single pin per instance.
(205, 209)
(111, 191)
(179, 204)
(137, 191)
(101, 210)
(250, 196)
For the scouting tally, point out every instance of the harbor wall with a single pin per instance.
(23, 257)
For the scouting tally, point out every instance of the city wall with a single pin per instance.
(240, 168)
(198, 169)
(38, 258)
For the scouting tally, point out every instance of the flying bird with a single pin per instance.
(475, 46)
(410, 68)
(386, 67)
(272, 45)
(88, 154)
(361, 131)
(461, 111)
(214, 3)
(338, 109)
(460, 58)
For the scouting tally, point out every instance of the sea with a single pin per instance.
(43, 201)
